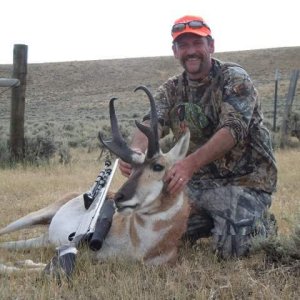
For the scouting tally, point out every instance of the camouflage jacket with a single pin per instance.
(225, 98)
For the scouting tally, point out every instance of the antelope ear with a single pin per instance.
(180, 149)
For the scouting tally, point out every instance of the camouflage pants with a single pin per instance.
(231, 215)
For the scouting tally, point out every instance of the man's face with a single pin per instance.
(194, 53)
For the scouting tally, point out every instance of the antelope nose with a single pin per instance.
(119, 197)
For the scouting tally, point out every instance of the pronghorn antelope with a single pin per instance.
(148, 222)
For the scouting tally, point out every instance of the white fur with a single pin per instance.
(66, 221)
(67, 214)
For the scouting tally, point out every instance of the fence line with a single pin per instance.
(18, 85)
(288, 107)
(9, 82)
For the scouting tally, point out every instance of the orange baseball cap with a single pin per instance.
(190, 24)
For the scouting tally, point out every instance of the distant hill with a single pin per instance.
(109, 76)
(78, 91)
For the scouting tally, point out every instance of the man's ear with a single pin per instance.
(211, 46)
(175, 52)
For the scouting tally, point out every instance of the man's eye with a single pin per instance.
(198, 43)
(157, 167)
(182, 46)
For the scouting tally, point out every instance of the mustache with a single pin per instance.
(191, 56)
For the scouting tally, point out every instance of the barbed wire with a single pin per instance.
(9, 87)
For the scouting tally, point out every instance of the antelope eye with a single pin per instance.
(157, 167)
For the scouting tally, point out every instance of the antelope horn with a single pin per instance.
(117, 144)
(152, 131)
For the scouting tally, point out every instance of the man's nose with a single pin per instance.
(191, 49)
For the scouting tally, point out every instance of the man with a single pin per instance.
(230, 171)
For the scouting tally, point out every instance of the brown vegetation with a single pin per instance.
(69, 100)
(197, 275)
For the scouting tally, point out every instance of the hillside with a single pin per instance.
(76, 93)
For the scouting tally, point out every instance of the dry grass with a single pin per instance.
(197, 275)
(70, 100)
(287, 199)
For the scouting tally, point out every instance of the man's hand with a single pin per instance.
(125, 168)
(179, 175)
(182, 171)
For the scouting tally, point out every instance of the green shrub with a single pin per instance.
(4, 153)
(39, 148)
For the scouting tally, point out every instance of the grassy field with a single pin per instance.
(197, 275)
(67, 103)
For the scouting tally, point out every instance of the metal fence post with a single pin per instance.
(288, 107)
(277, 76)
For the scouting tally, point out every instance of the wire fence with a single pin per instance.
(39, 110)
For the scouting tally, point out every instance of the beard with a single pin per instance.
(196, 65)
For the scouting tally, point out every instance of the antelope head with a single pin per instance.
(144, 190)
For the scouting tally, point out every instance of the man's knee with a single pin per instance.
(232, 215)
(199, 225)
(231, 246)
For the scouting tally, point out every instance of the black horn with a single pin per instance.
(117, 144)
(152, 131)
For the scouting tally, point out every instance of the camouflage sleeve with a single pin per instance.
(164, 102)
(239, 100)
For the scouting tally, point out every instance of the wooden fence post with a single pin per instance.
(18, 103)
(288, 107)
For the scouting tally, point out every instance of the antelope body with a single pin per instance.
(148, 222)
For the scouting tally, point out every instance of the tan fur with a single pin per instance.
(171, 240)
(179, 218)
(152, 238)
(119, 226)
(139, 220)
(136, 242)
(147, 225)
